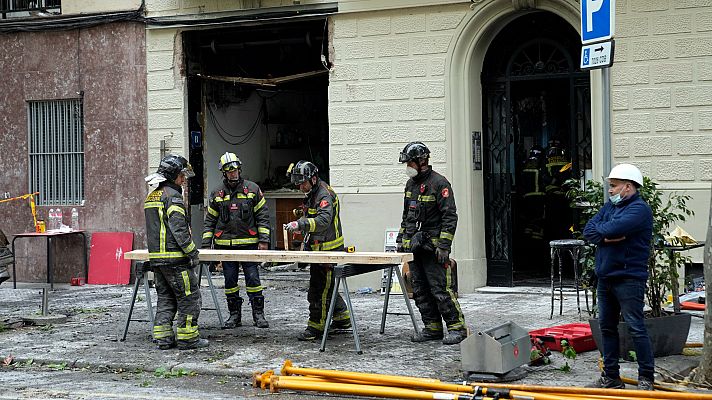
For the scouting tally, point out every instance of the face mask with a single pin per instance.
(617, 198)
(411, 172)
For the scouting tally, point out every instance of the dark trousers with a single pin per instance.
(433, 293)
(178, 292)
(231, 271)
(626, 297)
(321, 288)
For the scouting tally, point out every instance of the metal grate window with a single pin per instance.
(29, 8)
(56, 151)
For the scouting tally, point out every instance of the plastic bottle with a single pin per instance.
(50, 219)
(59, 218)
(75, 219)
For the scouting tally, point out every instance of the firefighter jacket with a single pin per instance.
(167, 228)
(236, 217)
(429, 206)
(321, 219)
(532, 179)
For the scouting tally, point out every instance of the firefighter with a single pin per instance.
(237, 219)
(558, 213)
(173, 257)
(427, 230)
(321, 227)
(533, 194)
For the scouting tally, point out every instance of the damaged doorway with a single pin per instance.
(258, 91)
(537, 134)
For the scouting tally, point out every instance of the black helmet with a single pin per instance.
(301, 172)
(555, 149)
(173, 165)
(414, 151)
(536, 152)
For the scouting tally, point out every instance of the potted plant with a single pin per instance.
(668, 331)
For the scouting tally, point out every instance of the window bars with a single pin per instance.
(56, 151)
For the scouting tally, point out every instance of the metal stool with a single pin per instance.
(573, 247)
(144, 266)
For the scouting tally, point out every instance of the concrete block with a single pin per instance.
(165, 100)
(380, 155)
(347, 156)
(364, 178)
(705, 170)
(621, 147)
(338, 176)
(650, 98)
(360, 92)
(377, 113)
(672, 72)
(160, 40)
(693, 47)
(694, 144)
(632, 26)
(167, 120)
(394, 91)
(397, 46)
(162, 5)
(374, 26)
(692, 95)
(703, 21)
(397, 134)
(438, 154)
(392, 176)
(437, 111)
(433, 132)
(651, 50)
(648, 5)
(412, 112)
(409, 69)
(160, 81)
(623, 50)
(375, 70)
(344, 71)
(363, 134)
(437, 67)
(344, 114)
(432, 44)
(670, 24)
(619, 99)
(337, 135)
(630, 123)
(704, 119)
(159, 61)
(440, 21)
(621, 7)
(336, 92)
(704, 71)
(428, 89)
(635, 74)
(647, 146)
(675, 170)
(673, 121)
(692, 3)
(352, 49)
(408, 23)
(345, 27)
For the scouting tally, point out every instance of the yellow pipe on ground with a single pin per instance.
(423, 383)
(601, 392)
(262, 380)
(277, 382)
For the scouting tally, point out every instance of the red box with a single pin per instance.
(578, 335)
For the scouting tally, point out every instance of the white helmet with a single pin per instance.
(628, 172)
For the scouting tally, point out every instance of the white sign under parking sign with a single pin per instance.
(597, 55)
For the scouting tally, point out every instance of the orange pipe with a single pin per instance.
(362, 390)
(414, 382)
(262, 380)
(600, 392)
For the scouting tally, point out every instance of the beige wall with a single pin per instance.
(662, 97)
(98, 6)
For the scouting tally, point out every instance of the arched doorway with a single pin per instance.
(535, 98)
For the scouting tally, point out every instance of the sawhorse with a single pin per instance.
(142, 267)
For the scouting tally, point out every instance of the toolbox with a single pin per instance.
(578, 335)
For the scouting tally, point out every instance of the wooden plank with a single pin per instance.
(337, 257)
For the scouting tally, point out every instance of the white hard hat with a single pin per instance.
(626, 172)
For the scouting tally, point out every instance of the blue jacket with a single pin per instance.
(632, 219)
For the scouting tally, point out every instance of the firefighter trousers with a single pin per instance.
(179, 298)
(231, 271)
(433, 293)
(321, 288)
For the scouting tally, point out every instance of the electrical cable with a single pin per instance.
(243, 137)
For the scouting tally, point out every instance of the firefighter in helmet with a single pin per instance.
(533, 194)
(173, 256)
(558, 170)
(237, 219)
(427, 230)
(321, 226)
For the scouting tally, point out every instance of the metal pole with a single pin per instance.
(606, 122)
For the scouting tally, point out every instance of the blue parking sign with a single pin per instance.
(597, 20)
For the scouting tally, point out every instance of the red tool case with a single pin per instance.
(578, 335)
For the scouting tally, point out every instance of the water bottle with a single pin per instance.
(50, 219)
(59, 218)
(75, 219)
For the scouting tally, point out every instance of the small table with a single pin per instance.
(50, 236)
(675, 289)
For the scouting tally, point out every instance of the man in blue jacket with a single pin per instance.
(622, 230)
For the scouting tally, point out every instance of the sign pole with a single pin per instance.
(606, 117)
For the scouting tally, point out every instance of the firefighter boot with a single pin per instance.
(455, 336)
(234, 305)
(258, 312)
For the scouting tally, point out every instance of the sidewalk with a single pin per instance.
(97, 314)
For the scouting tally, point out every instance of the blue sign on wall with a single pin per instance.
(598, 20)
(196, 139)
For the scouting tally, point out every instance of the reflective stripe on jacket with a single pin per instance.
(167, 228)
(321, 219)
(430, 203)
(236, 217)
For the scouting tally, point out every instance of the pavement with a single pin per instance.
(96, 315)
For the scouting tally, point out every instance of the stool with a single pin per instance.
(142, 267)
(573, 247)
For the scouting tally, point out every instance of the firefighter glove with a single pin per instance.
(399, 247)
(442, 255)
(292, 226)
(206, 244)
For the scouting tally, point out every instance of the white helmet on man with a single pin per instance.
(628, 172)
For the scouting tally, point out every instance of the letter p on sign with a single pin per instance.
(597, 20)
(592, 6)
